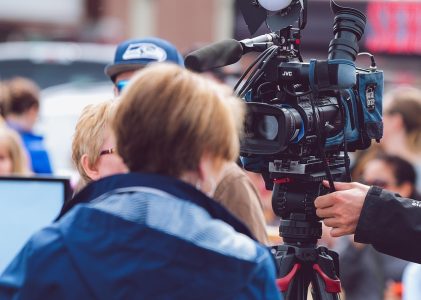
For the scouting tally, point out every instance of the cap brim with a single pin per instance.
(115, 69)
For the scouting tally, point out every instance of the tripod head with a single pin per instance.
(296, 186)
(299, 260)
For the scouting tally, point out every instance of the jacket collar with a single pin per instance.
(167, 184)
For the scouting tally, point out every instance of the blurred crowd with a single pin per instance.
(393, 164)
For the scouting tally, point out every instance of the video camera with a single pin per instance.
(302, 117)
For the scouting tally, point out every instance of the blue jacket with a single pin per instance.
(142, 237)
(34, 144)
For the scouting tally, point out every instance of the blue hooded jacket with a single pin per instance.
(141, 237)
(34, 145)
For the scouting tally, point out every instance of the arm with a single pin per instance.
(390, 223)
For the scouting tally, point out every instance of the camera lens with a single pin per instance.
(293, 124)
(267, 127)
(283, 127)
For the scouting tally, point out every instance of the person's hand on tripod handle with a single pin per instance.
(341, 209)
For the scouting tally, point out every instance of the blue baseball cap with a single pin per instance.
(134, 54)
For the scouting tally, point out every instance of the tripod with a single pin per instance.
(299, 265)
(299, 260)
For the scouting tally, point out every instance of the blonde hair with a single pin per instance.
(169, 117)
(406, 101)
(16, 151)
(90, 133)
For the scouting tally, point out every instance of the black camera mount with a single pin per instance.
(299, 261)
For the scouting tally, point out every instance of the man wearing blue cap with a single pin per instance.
(132, 55)
(235, 191)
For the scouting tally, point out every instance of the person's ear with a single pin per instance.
(204, 168)
(115, 89)
(34, 110)
(209, 173)
(91, 171)
(396, 121)
(405, 189)
(31, 115)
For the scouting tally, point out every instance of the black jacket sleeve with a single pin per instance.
(392, 224)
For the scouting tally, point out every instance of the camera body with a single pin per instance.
(281, 123)
(302, 117)
(296, 109)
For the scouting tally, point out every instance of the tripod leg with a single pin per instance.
(294, 285)
(326, 285)
(298, 267)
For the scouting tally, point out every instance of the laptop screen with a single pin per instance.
(27, 205)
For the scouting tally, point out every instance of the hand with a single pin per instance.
(342, 208)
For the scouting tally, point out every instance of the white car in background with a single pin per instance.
(54, 63)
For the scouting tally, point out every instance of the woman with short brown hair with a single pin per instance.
(170, 130)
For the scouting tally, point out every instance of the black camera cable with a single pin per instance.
(373, 65)
(264, 58)
(264, 53)
(258, 71)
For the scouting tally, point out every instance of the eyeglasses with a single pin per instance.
(377, 182)
(121, 85)
(107, 151)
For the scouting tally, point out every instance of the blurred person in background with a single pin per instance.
(366, 273)
(154, 233)
(393, 173)
(402, 124)
(21, 114)
(4, 94)
(93, 147)
(13, 158)
(235, 191)
(401, 132)
(412, 282)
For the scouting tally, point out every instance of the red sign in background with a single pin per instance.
(394, 27)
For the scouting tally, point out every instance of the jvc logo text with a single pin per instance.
(287, 74)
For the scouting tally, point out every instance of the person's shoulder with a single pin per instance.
(185, 221)
(232, 170)
(234, 177)
(44, 242)
(220, 237)
(35, 255)
(30, 135)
